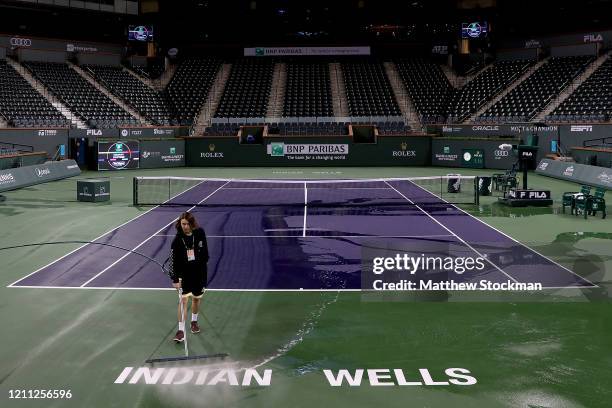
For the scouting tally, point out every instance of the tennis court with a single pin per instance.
(292, 235)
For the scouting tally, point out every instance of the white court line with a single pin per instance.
(146, 240)
(320, 236)
(95, 239)
(312, 188)
(280, 290)
(508, 236)
(305, 209)
(457, 236)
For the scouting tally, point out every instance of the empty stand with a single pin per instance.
(308, 90)
(368, 89)
(148, 102)
(247, 90)
(428, 88)
(80, 96)
(524, 102)
(22, 106)
(591, 101)
(187, 90)
(153, 70)
(489, 83)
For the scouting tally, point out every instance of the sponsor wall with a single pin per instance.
(56, 50)
(452, 152)
(576, 172)
(573, 136)
(12, 179)
(514, 130)
(132, 133)
(27, 42)
(45, 140)
(587, 37)
(569, 135)
(162, 153)
(308, 151)
(304, 51)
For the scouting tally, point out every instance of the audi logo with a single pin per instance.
(502, 153)
(21, 42)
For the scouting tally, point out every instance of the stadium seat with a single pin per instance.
(80, 96)
(148, 102)
(427, 87)
(482, 88)
(247, 90)
(368, 90)
(525, 101)
(22, 106)
(308, 90)
(591, 101)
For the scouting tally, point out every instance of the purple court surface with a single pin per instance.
(289, 246)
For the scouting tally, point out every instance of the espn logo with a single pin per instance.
(581, 128)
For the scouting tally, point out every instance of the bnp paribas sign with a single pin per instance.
(311, 149)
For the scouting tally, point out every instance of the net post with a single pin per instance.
(135, 191)
(169, 188)
(477, 190)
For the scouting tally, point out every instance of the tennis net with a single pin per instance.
(210, 192)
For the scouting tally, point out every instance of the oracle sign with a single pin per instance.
(20, 42)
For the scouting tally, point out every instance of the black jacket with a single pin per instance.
(191, 272)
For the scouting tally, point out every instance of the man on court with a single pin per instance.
(189, 258)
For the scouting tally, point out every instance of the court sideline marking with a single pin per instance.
(263, 290)
(305, 209)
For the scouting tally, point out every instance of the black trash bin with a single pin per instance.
(484, 186)
(454, 183)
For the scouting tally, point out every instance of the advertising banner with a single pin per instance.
(516, 130)
(308, 151)
(162, 153)
(473, 158)
(578, 173)
(12, 179)
(10, 41)
(304, 51)
(450, 152)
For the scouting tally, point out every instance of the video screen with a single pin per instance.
(475, 30)
(143, 33)
(118, 155)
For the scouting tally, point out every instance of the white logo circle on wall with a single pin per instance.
(124, 132)
(467, 156)
(20, 42)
